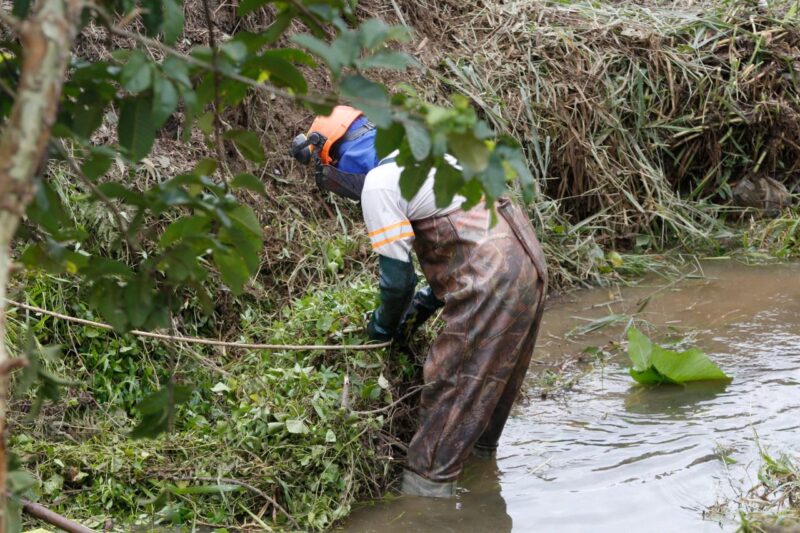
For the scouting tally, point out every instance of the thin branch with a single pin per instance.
(219, 144)
(201, 340)
(44, 514)
(399, 13)
(310, 14)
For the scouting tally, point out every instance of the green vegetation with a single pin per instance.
(653, 364)
(643, 124)
(774, 504)
(638, 123)
(280, 424)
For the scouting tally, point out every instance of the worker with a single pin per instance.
(489, 278)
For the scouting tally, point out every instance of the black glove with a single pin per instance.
(422, 307)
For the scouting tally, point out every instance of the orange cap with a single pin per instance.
(333, 127)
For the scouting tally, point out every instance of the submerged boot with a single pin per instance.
(416, 485)
(484, 452)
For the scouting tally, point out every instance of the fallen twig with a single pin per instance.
(44, 514)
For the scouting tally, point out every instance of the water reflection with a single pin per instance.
(479, 507)
(672, 400)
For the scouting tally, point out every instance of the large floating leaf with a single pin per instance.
(654, 364)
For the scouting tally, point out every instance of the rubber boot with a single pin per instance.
(416, 485)
(484, 452)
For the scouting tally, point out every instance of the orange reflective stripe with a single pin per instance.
(390, 227)
(392, 239)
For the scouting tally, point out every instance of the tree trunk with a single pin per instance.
(46, 40)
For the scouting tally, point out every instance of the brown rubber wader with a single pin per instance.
(493, 282)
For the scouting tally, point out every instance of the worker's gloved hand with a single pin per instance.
(375, 331)
(422, 307)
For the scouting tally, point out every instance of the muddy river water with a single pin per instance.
(613, 456)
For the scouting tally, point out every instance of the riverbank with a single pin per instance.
(637, 155)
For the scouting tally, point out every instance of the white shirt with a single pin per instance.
(388, 215)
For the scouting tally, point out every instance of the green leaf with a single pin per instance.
(13, 515)
(470, 152)
(249, 182)
(282, 21)
(246, 244)
(294, 55)
(386, 59)
(53, 485)
(248, 143)
(101, 267)
(515, 159)
(173, 20)
(387, 140)
(651, 376)
(412, 178)
(152, 16)
(139, 300)
(21, 8)
(235, 50)
(369, 97)
(246, 219)
(245, 236)
(137, 74)
(165, 100)
(653, 364)
(418, 139)
(248, 6)
(372, 32)
(296, 426)
(106, 297)
(691, 365)
(281, 72)
(182, 228)
(446, 184)
(178, 70)
(136, 129)
(335, 57)
(158, 410)
(493, 177)
(639, 349)
(116, 190)
(97, 162)
(233, 270)
(88, 114)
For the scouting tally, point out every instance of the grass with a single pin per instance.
(638, 119)
(773, 505)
